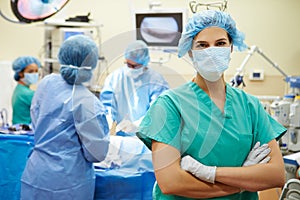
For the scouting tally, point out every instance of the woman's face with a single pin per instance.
(211, 37)
(32, 68)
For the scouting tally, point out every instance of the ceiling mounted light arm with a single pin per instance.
(28, 11)
(10, 20)
(275, 65)
(238, 77)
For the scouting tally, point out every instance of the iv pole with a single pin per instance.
(238, 77)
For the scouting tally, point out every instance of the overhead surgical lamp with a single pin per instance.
(238, 77)
(28, 11)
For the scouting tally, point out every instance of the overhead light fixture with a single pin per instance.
(219, 5)
(28, 11)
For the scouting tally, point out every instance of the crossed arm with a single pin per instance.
(172, 179)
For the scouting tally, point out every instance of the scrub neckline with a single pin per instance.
(204, 97)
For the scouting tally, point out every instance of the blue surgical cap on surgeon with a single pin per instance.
(210, 18)
(77, 52)
(138, 52)
(21, 63)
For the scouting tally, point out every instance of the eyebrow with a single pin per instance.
(221, 39)
(218, 40)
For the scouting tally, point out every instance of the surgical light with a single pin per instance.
(28, 11)
(36, 10)
(219, 5)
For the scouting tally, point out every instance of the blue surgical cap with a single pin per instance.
(21, 63)
(210, 18)
(138, 52)
(75, 52)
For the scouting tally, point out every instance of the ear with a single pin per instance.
(190, 54)
(21, 74)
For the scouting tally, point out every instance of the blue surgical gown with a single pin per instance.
(70, 133)
(130, 98)
(187, 119)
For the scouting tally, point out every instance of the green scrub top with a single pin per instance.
(21, 102)
(187, 119)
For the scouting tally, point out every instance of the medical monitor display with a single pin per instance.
(68, 34)
(59, 35)
(159, 29)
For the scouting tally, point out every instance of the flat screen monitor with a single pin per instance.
(159, 28)
(59, 35)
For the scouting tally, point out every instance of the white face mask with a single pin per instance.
(30, 78)
(135, 73)
(211, 62)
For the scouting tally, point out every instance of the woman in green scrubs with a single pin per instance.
(201, 133)
(26, 73)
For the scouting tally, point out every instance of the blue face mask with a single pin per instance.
(30, 78)
(211, 62)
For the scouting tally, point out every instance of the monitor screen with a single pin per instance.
(68, 34)
(159, 28)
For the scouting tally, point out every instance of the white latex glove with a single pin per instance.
(203, 172)
(126, 126)
(109, 120)
(258, 155)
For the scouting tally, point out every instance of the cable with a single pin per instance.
(3, 114)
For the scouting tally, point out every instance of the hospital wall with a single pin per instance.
(272, 25)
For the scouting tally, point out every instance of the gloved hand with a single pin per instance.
(203, 172)
(259, 154)
(126, 126)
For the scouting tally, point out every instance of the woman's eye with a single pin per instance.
(221, 43)
(32, 71)
(201, 46)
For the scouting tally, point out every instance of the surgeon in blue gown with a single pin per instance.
(71, 130)
(129, 91)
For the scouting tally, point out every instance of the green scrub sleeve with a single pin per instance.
(161, 123)
(265, 127)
